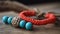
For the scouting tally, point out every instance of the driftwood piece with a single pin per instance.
(12, 5)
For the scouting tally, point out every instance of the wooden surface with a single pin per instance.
(7, 29)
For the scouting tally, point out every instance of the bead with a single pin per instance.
(4, 19)
(15, 21)
(28, 26)
(9, 20)
(22, 23)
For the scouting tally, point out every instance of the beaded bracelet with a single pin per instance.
(25, 22)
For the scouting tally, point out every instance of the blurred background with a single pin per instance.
(42, 5)
(36, 1)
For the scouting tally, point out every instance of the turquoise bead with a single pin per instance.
(28, 26)
(10, 20)
(22, 23)
(4, 19)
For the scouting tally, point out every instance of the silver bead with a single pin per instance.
(15, 21)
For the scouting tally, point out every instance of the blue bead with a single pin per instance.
(4, 19)
(10, 20)
(28, 26)
(22, 23)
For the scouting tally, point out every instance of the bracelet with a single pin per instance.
(49, 18)
(26, 22)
